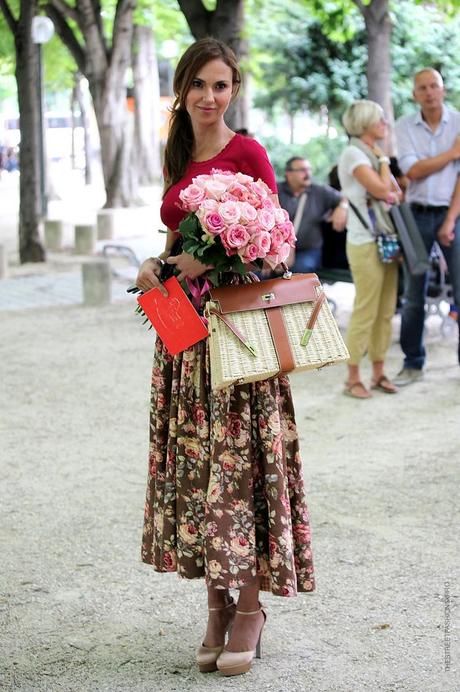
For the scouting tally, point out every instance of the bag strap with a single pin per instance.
(313, 317)
(234, 329)
(299, 211)
(359, 215)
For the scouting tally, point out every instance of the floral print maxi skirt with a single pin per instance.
(225, 495)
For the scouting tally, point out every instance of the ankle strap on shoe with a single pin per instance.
(232, 602)
(249, 612)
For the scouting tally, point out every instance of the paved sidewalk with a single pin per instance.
(50, 290)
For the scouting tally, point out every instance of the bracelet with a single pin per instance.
(384, 159)
(158, 259)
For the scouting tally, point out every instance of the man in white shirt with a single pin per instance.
(429, 154)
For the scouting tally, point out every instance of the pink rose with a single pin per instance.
(249, 253)
(283, 252)
(248, 213)
(243, 178)
(263, 242)
(230, 212)
(213, 223)
(268, 204)
(191, 197)
(260, 189)
(224, 176)
(287, 230)
(214, 188)
(277, 239)
(228, 197)
(236, 236)
(253, 229)
(266, 219)
(281, 215)
(275, 257)
(253, 200)
(238, 191)
(209, 205)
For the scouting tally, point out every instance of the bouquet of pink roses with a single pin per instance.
(233, 223)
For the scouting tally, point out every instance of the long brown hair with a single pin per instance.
(179, 146)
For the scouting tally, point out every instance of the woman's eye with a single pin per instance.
(221, 86)
(196, 83)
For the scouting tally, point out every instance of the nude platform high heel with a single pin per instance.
(239, 662)
(206, 656)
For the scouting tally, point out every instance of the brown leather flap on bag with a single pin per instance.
(267, 294)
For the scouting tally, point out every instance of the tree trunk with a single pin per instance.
(30, 246)
(110, 107)
(226, 24)
(379, 27)
(105, 68)
(146, 147)
(87, 148)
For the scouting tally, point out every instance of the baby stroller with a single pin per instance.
(439, 296)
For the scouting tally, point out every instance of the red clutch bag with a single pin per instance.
(174, 318)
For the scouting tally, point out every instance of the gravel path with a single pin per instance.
(80, 612)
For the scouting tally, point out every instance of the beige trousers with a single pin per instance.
(376, 285)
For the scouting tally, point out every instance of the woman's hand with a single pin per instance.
(148, 276)
(446, 233)
(188, 266)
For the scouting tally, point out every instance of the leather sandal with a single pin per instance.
(383, 384)
(350, 390)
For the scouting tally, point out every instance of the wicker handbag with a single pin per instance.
(260, 330)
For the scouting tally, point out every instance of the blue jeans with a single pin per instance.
(307, 261)
(413, 312)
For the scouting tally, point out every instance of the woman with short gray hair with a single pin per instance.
(364, 173)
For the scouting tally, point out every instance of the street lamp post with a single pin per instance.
(42, 31)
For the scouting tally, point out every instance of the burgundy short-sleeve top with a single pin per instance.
(241, 154)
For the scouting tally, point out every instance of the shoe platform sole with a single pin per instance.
(236, 670)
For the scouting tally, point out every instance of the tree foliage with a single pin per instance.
(301, 68)
(434, 43)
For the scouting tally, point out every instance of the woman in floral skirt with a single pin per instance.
(225, 495)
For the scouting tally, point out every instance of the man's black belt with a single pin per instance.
(428, 207)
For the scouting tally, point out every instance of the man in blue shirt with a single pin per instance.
(429, 155)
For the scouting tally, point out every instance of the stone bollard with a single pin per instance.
(3, 262)
(85, 239)
(97, 282)
(54, 234)
(105, 224)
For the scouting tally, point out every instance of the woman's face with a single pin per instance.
(210, 93)
(378, 130)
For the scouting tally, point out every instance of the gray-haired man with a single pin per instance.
(429, 154)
